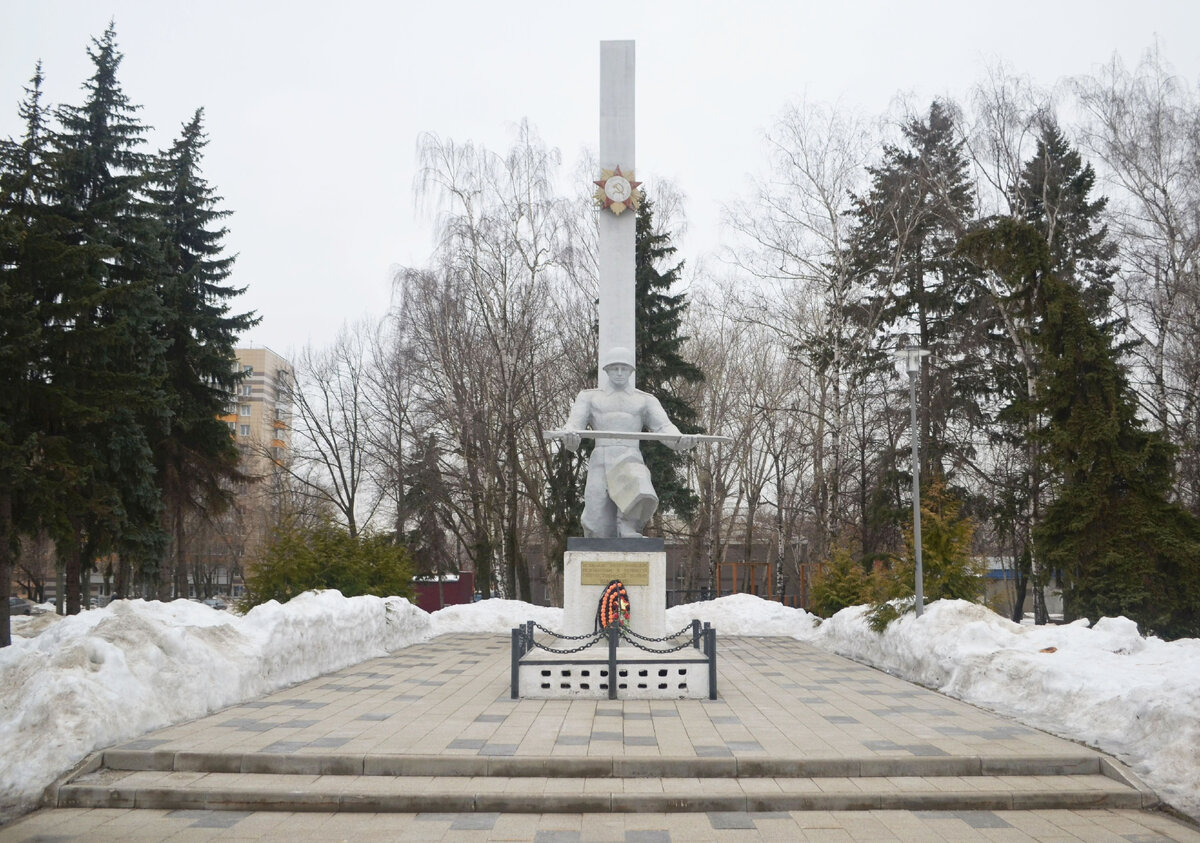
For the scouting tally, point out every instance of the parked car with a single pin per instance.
(19, 606)
(215, 603)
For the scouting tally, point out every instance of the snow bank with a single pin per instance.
(1107, 686)
(745, 614)
(69, 686)
(91, 680)
(497, 616)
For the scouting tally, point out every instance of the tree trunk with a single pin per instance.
(181, 571)
(166, 571)
(6, 564)
(121, 589)
(72, 566)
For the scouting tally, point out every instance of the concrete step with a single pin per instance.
(108, 788)
(1085, 763)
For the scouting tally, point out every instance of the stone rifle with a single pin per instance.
(627, 434)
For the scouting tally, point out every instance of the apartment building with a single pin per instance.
(259, 418)
(260, 414)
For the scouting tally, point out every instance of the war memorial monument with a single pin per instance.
(614, 642)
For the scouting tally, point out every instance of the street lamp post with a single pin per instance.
(912, 363)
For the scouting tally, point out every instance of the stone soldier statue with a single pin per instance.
(619, 497)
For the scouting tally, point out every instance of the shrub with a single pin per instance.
(840, 582)
(300, 559)
(949, 571)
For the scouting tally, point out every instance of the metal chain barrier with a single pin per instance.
(683, 646)
(687, 630)
(594, 638)
(561, 636)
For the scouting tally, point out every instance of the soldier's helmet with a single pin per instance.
(618, 354)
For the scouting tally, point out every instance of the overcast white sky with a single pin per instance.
(313, 109)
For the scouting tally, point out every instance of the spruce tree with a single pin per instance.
(104, 348)
(661, 366)
(919, 291)
(1054, 193)
(902, 248)
(195, 458)
(24, 244)
(1120, 546)
(1056, 227)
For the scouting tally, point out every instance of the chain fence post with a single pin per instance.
(612, 661)
(517, 646)
(711, 647)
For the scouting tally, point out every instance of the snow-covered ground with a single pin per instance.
(70, 686)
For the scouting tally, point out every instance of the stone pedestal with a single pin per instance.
(590, 564)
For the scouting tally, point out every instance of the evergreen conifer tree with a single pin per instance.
(1120, 546)
(195, 458)
(903, 248)
(104, 348)
(1054, 194)
(24, 245)
(661, 367)
(1056, 228)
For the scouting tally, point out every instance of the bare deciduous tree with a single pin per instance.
(332, 410)
(1144, 126)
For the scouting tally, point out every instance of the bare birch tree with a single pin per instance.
(794, 231)
(479, 332)
(332, 408)
(1144, 126)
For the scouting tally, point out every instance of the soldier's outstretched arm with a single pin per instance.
(658, 421)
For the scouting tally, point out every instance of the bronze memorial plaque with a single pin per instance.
(602, 573)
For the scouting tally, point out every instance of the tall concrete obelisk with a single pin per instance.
(616, 230)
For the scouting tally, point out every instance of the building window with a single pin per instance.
(232, 426)
(244, 430)
(245, 409)
(249, 370)
(247, 389)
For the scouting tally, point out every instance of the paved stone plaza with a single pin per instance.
(426, 744)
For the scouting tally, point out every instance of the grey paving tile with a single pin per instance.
(499, 749)
(881, 746)
(244, 725)
(328, 743)
(924, 750)
(474, 822)
(721, 820)
(641, 740)
(467, 743)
